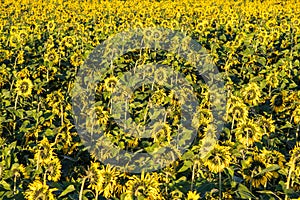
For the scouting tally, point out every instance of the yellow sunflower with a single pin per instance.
(108, 184)
(110, 83)
(218, 159)
(76, 60)
(296, 115)
(239, 111)
(51, 56)
(53, 168)
(143, 187)
(192, 195)
(252, 94)
(161, 132)
(253, 170)
(51, 26)
(24, 87)
(267, 124)
(37, 190)
(278, 101)
(248, 132)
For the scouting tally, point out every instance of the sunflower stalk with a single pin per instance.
(81, 188)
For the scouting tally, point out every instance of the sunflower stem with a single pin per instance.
(220, 185)
(81, 188)
(16, 101)
(193, 177)
(15, 184)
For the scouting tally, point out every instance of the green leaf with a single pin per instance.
(243, 192)
(187, 164)
(69, 189)
(268, 169)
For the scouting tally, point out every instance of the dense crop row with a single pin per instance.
(254, 45)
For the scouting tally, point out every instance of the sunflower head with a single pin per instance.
(38, 191)
(53, 169)
(192, 195)
(24, 87)
(110, 83)
(239, 111)
(252, 170)
(248, 132)
(219, 158)
(278, 101)
(252, 94)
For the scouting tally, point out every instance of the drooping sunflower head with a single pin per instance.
(38, 191)
(108, 180)
(278, 101)
(274, 157)
(93, 175)
(24, 87)
(161, 133)
(160, 76)
(295, 159)
(145, 186)
(219, 158)
(248, 132)
(239, 111)
(44, 151)
(252, 170)
(296, 115)
(272, 79)
(53, 169)
(252, 94)
(267, 124)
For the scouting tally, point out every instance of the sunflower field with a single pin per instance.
(255, 46)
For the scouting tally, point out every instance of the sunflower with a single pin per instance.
(24, 87)
(44, 153)
(161, 132)
(51, 56)
(4, 54)
(274, 157)
(267, 124)
(38, 191)
(272, 79)
(93, 175)
(53, 168)
(108, 181)
(252, 169)
(23, 36)
(192, 195)
(218, 159)
(239, 111)
(278, 101)
(14, 40)
(110, 83)
(19, 170)
(103, 115)
(159, 97)
(294, 162)
(76, 60)
(296, 115)
(51, 26)
(143, 187)
(248, 132)
(160, 76)
(69, 41)
(252, 94)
